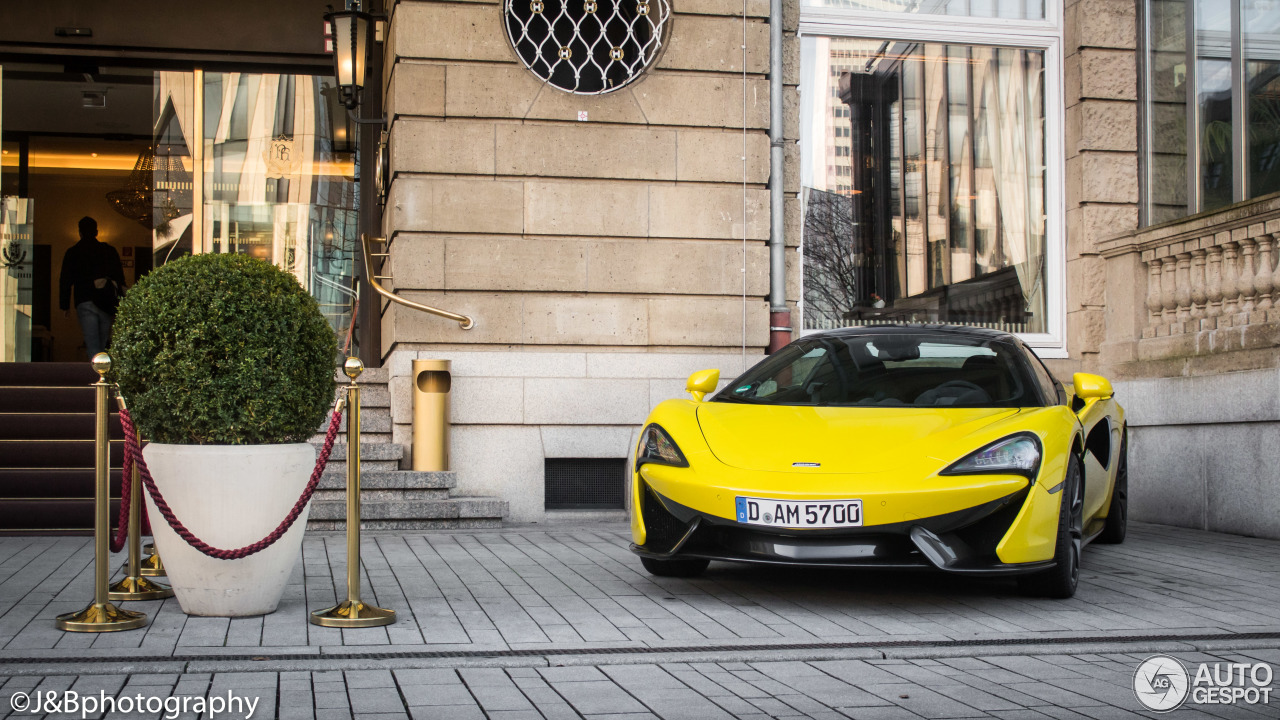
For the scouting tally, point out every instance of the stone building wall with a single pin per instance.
(603, 260)
(1179, 314)
(1100, 87)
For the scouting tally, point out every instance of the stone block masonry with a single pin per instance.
(608, 246)
(513, 409)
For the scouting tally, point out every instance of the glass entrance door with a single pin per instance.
(272, 174)
(17, 260)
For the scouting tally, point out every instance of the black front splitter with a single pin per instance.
(1005, 569)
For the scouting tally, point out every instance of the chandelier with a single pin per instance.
(150, 195)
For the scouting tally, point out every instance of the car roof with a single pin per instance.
(917, 329)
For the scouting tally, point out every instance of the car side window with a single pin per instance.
(1052, 389)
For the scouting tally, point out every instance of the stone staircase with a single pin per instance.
(391, 498)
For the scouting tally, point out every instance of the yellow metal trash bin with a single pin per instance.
(431, 381)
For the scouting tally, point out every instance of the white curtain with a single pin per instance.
(1009, 84)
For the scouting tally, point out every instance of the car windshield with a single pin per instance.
(889, 370)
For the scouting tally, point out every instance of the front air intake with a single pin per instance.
(662, 529)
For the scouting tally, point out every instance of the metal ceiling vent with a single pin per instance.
(587, 47)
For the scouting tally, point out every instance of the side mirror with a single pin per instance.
(1088, 386)
(702, 383)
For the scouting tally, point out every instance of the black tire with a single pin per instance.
(677, 567)
(1118, 513)
(1061, 580)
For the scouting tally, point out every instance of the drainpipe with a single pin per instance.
(779, 315)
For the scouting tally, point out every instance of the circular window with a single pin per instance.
(587, 46)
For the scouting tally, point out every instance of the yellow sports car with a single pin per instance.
(885, 447)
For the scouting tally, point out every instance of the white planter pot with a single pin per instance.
(229, 496)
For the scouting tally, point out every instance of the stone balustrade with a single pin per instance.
(1196, 296)
(1215, 281)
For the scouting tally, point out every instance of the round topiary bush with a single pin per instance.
(223, 350)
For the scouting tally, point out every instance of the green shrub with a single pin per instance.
(223, 349)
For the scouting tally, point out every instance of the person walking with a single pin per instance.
(93, 271)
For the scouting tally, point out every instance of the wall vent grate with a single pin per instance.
(585, 483)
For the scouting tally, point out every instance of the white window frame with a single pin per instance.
(1044, 35)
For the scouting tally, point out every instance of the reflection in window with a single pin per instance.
(1213, 103)
(1262, 69)
(1193, 85)
(1004, 9)
(941, 217)
(277, 176)
(1166, 179)
(174, 113)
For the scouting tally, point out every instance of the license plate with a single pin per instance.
(801, 514)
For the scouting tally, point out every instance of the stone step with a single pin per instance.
(373, 438)
(369, 416)
(372, 420)
(393, 480)
(338, 466)
(339, 495)
(371, 396)
(368, 450)
(457, 508)
(426, 524)
(375, 426)
(370, 376)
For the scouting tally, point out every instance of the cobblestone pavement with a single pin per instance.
(561, 621)
(1009, 687)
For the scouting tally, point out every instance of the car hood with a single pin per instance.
(840, 439)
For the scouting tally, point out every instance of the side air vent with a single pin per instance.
(585, 483)
(1099, 443)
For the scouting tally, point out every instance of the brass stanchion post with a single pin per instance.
(134, 586)
(101, 615)
(353, 612)
(152, 565)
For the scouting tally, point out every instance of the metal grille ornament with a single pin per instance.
(587, 47)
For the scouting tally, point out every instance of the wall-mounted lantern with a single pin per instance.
(352, 40)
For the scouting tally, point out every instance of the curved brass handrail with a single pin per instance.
(465, 322)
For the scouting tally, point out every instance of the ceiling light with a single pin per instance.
(93, 154)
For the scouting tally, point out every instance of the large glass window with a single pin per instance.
(1212, 104)
(924, 184)
(277, 181)
(1012, 9)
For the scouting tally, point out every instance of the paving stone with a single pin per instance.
(577, 587)
(436, 694)
(570, 674)
(594, 697)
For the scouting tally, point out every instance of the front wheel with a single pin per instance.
(676, 567)
(1118, 515)
(1061, 580)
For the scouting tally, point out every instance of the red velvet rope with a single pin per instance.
(132, 454)
(122, 522)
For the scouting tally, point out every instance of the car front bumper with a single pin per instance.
(962, 542)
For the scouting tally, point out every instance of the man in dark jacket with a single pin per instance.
(92, 270)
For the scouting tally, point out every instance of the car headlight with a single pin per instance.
(656, 446)
(1014, 455)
